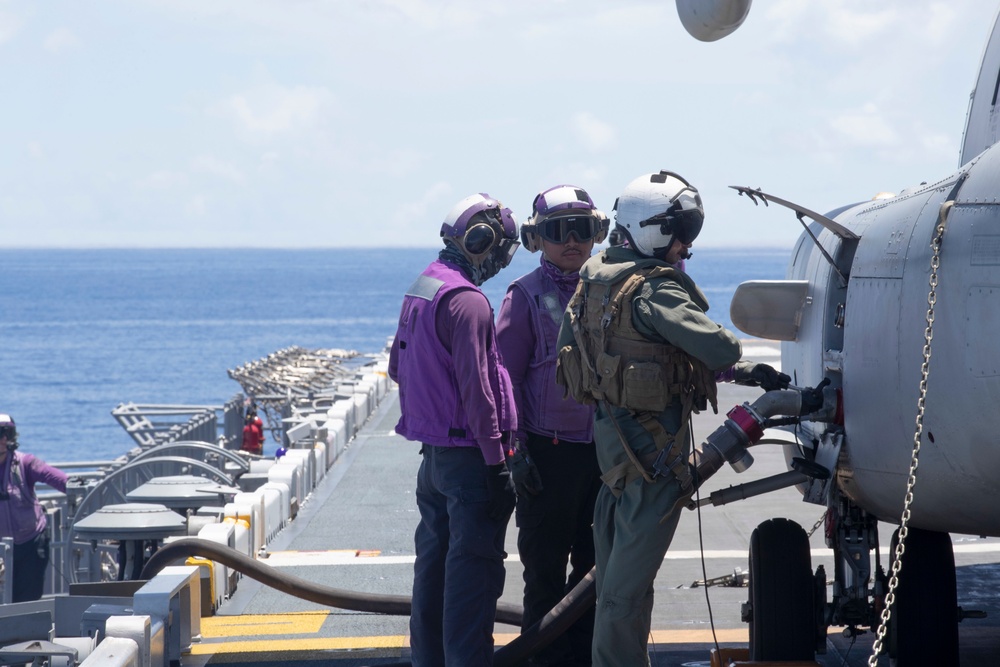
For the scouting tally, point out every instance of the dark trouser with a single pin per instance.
(30, 560)
(458, 575)
(555, 527)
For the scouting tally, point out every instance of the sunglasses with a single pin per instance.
(559, 230)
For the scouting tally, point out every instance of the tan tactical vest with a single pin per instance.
(614, 362)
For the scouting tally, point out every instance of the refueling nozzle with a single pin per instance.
(743, 428)
(746, 423)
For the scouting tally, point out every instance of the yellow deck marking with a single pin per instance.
(255, 645)
(290, 645)
(293, 623)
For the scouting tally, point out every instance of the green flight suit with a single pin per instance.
(629, 537)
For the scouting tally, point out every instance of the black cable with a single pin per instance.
(704, 572)
(847, 653)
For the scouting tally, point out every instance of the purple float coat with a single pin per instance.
(527, 328)
(21, 515)
(453, 390)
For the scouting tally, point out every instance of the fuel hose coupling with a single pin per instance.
(728, 444)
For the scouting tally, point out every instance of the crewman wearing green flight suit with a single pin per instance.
(636, 341)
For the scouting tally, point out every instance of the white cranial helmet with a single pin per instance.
(485, 231)
(656, 209)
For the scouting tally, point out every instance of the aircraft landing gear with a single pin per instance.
(782, 610)
(923, 629)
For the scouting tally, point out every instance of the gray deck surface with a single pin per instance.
(366, 503)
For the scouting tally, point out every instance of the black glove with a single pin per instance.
(766, 377)
(524, 472)
(501, 488)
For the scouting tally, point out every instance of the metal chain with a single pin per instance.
(897, 562)
(816, 525)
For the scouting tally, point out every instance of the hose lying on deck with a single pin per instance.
(391, 605)
(530, 641)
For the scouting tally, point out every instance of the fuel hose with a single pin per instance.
(574, 605)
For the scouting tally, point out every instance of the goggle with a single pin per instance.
(8, 432)
(684, 224)
(559, 229)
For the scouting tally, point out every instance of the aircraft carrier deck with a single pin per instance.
(356, 533)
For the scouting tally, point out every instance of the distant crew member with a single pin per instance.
(22, 517)
(456, 400)
(253, 432)
(636, 342)
(553, 461)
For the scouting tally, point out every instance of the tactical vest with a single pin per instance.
(615, 363)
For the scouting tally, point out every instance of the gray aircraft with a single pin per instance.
(893, 305)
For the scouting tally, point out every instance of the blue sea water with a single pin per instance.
(84, 330)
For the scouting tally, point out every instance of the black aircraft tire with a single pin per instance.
(782, 591)
(924, 625)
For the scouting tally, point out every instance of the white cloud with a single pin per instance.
(576, 173)
(60, 40)
(209, 164)
(9, 25)
(942, 19)
(865, 127)
(853, 27)
(419, 210)
(273, 109)
(196, 207)
(435, 15)
(162, 180)
(399, 162)
(268, 160)
(595, 134)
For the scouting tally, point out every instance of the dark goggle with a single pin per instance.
(683, 224)
(8, 432)
(558, 230)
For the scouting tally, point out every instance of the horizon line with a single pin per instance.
(713, 246)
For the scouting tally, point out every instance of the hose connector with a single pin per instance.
(728, 444)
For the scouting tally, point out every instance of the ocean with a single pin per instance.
(84, 330)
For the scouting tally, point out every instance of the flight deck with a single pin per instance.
(356, 533)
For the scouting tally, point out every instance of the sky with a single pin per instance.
(359, 123)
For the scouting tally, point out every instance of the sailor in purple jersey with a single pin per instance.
(22, 517)
(553, 461)
(456, 399)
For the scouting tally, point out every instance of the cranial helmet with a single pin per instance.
(657, 209)
(484, 231)
(560, 212)
(8, 428)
